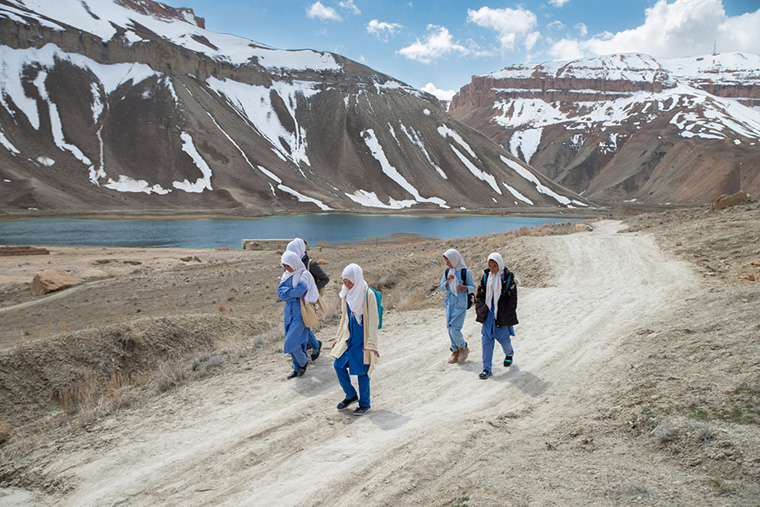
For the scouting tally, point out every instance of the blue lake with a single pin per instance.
(227, 233)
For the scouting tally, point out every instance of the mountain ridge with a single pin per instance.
(103, 108)
(628, 127)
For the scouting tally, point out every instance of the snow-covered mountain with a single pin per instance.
(628, 126)
(133, 105)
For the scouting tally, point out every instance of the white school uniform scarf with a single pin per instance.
(355, 295)
(493, 285)
(455, 258)
(299, 274)
(298, 246)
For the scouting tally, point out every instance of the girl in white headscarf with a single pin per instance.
(295, 283)
(355, 347)
(496, 309)
(320, 278)
(457, 283)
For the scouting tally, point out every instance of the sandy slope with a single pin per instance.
(436, 433)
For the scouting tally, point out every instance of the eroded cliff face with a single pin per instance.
(628, 126)
(137, 107)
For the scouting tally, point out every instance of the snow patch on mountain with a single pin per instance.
(8, 145)
(525, 142)
(201, 184)
(415, 138)
(127, 184)
(370, 139)
(541, 188)
(254, 104)
(481, 175)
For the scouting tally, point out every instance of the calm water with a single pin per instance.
(227, 233)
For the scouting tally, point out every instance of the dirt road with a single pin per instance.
(533, 434)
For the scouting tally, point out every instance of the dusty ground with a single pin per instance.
(636, 378)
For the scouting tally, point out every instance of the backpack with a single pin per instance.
(379, 300)
(464, 279)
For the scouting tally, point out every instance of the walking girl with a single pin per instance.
(496, 309)
(295, 283)
(457, 283)
(320, 279)
(355, 347)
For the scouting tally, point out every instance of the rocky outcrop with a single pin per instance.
(45, 283)
(627, 127)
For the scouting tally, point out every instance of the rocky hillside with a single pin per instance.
(126, 105)
(628, 127)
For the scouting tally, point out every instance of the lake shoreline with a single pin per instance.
(574, 213)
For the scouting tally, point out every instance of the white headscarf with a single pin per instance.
(355, 295)
(298, 246)
(299, 274)
(455, 258)
(493, 286)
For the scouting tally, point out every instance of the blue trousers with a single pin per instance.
(489, 334)
(345, 382)
(454, 321)
(299, 357)
(312, 340)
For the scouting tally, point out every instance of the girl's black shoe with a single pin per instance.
(507, 361)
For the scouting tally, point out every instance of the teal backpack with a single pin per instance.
(379, 299)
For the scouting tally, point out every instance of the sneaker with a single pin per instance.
(346, 402)
(507, 361)
(453, 357)
(361, 410)
(484, 374)
(463, 353)
(315, 354)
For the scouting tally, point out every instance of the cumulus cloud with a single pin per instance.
(556, 25)
(438, 93)
(582, 29)
(350, 6)
(383, 30)
(558, 3)
(437, 44)
(512, 25)
(317, 10)
(681, 28)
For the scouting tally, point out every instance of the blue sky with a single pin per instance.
(439, 45)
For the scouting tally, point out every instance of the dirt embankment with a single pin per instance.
(635, 380)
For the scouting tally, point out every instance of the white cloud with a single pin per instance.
(680, 28)
(556, 25)
(437, 43)
(582, 29)
(512, 25)
(558, 3)
(317, 10)
(438, 93)
(350, 6)
(382, 30)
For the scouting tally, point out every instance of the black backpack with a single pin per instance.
(464, 279)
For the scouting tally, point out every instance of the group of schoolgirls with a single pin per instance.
(495, 308)
(355, 349)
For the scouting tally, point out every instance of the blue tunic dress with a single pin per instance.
(296, 334)
(353, 357)
(456, 306)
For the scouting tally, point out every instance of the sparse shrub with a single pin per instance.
(170, 375)
(665, 433)
(705, 434)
